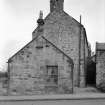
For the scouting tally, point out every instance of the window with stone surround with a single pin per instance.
(52, 75)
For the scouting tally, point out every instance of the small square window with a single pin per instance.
(52, 74)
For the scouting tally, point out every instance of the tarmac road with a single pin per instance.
(81, 99)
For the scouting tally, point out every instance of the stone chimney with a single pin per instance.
(56, 5)
(40, 21)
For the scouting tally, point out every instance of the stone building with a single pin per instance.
(100, 65)
(56, 58)
(3, 83)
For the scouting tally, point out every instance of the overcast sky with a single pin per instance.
(18, 20)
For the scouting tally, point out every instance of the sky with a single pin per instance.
(18, 20)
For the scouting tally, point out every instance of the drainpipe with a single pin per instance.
(72, 75)
(79, 54)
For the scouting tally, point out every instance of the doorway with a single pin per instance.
(91, 74)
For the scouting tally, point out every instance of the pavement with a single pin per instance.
(79, 93)
(81, 96)
(88, 89)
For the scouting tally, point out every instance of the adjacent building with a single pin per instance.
(3, 83)
(100, 65)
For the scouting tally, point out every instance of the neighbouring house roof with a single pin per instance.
(100, 46)
(71, 61)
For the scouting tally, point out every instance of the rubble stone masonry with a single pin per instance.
(58, 43)
(65, 32)
(28, 70)
(100, 64)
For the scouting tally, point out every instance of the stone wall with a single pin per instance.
(82, 59)
(28, 69)
(84, 54)
(67, 34)
(100, 67)
(64, 32)
(3, 83)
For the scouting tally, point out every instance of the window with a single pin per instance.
(39, 47)
(39, 44)
(52, 75)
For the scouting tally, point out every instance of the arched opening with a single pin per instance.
(91, 74)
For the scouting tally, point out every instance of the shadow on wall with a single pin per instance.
(91, 73)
